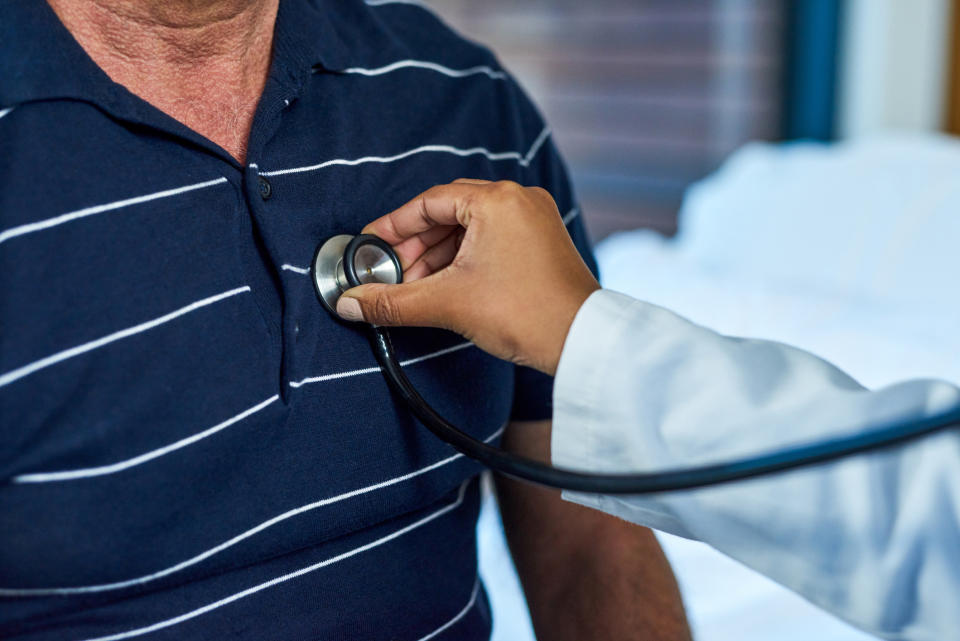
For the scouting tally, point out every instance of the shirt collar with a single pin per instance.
(313, 33)
(40, 59)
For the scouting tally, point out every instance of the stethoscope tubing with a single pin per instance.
(527, 469)
(652, 482)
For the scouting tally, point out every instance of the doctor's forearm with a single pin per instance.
(872, 539)
(586, 575)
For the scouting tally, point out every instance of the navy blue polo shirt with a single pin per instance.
(191, 447)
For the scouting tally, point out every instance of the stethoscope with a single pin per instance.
(344, 261)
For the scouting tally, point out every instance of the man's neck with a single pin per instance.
(203, 62)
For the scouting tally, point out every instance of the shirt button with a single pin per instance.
(264, 187)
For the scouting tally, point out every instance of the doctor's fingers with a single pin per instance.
(411, 250)
(421, 303)
(455, 204)
(442, 205)
(435, 258)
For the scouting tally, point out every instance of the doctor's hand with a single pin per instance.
(490, 261)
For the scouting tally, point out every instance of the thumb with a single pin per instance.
(414, 304)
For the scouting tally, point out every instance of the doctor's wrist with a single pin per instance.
(542, 351)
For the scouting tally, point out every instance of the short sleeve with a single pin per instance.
(533, 391)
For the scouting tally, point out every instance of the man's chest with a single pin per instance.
(169, 379)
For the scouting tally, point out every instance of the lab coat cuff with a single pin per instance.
(589, 388)
(580, 391)
(588, 400)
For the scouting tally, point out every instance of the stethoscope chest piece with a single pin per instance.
(346, 261)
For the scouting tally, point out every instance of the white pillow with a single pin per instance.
(880, 217)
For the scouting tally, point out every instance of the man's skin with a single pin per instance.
(205, 63)
(586, 574)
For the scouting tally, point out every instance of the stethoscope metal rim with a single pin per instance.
(335, 267)
(327, 271)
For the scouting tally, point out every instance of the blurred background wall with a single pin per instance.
(647, 96)
(896, 66)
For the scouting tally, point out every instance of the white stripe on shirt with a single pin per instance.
(535, 147)
(416, 3)
(28, 228)
(432, 66)
(570, 215)
(160, 625)
(53, 359)
(102, 470)
(462, 613)
(522, 159)
(67, 475)
(371, 370)
(4, 112)
(105, 587)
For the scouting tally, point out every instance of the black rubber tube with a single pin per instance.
(649, 483)
(646, 483)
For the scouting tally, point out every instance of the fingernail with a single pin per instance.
(349, 309)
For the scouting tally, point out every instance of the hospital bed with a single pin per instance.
(851, 251)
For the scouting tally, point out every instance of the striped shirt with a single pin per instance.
(191, 447)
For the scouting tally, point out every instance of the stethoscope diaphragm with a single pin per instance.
(347, 261)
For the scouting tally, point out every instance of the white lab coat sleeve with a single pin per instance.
(874, 539)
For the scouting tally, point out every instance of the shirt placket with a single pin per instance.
(270, 218)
